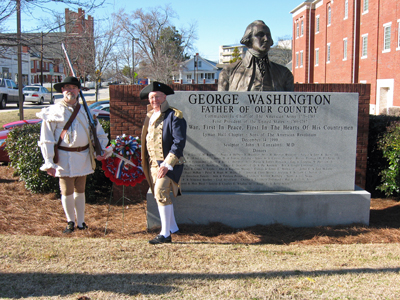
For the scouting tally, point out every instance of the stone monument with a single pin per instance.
(268, 157)
(258, 156)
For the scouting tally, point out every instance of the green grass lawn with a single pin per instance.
(11, 116)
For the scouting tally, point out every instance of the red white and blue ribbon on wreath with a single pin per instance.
(124, 164)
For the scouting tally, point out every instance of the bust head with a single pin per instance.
(258, 37)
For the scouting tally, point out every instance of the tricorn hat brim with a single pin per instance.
(155, 87)
(67, 80)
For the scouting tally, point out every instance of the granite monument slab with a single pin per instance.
(268, 141)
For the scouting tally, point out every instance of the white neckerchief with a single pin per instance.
(154, 117)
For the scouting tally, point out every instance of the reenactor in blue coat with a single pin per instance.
(163, 140)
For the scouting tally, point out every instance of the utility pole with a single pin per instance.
(20, 95)
(41, 61)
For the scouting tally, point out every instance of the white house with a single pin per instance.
(198, 70)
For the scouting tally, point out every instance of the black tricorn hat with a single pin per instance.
(67, 80)
(155, 86)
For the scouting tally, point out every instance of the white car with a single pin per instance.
(37, 94)
(101, 105)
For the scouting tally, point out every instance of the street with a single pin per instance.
(89, 96)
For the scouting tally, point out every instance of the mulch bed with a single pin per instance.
(24, 213)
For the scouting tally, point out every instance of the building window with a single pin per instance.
(329, 15)
(297, 29)
(328, 53)
(317, 56)
(364, 46)
(346, 9)
(345, 49)
(301, 59)
(317, 25)
(387, 34)
(398, 34)
(209, 75)
(365, 6)
(297, 59)
(302, 28)
(189, 77)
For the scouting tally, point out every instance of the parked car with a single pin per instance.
(20, 123)
(100, 114)
(100, 103)
(37, 94)
(8, 92)
(105, 107)
(3, 153)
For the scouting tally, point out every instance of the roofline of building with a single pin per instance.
(305, 3)
(234, 45)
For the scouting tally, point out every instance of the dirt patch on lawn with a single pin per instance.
(22, 212)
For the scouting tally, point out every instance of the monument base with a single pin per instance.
(239, 210)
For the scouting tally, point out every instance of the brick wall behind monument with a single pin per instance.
(128, 113)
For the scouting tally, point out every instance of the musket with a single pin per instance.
(92, 123)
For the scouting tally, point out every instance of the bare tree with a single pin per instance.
(281, 53)
(106, 39)
(8, 8)
(161, 46)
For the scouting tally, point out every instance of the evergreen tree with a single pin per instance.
(235, 55)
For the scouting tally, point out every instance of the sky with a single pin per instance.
(218, 22)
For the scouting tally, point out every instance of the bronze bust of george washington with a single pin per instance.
(256, 72)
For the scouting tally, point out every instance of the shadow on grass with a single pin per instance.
(18, 285)
(281, 235)
(385, 218)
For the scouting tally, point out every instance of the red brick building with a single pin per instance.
(350, 41)
(79, 41)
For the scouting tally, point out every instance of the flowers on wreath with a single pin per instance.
(123, 164)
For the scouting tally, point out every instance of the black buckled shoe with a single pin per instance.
(70, 227)
(84, 226)
(160, 239)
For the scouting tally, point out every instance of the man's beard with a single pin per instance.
(70, 96)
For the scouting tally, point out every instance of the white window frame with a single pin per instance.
(316, 56)
(297, 59)
(365, 6)
(328, 53)
(398, 35)
(329, 16)
(317, 19)
(302, 28)
(364, 46)
(387, 40)
(301, 58)
(345, 49)
(346, 9)
(297, 29)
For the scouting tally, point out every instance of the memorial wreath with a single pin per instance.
(124, 165)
